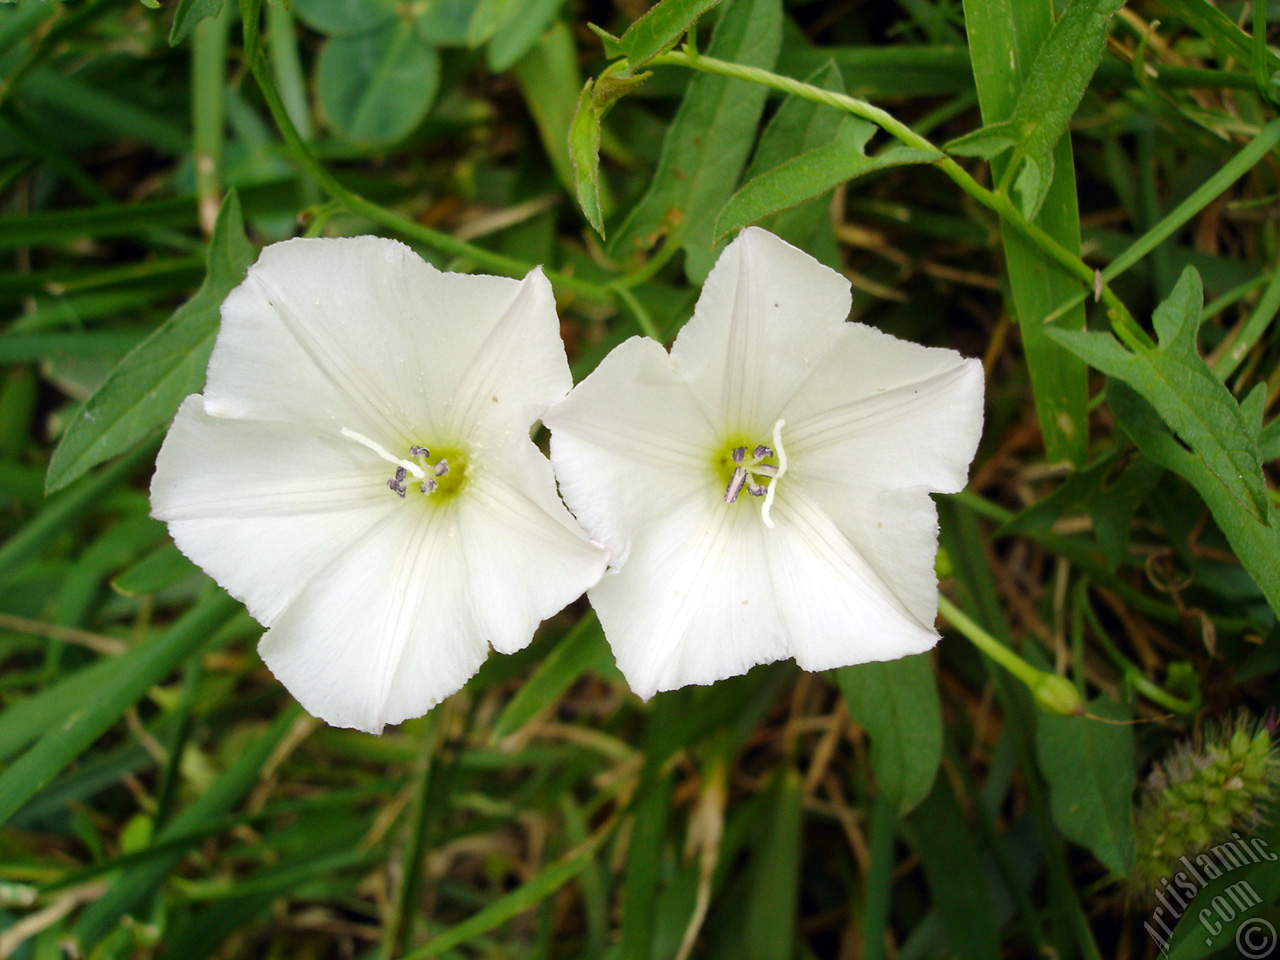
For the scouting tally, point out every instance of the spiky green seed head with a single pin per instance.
(1203, 795)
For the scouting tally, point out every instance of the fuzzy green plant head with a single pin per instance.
(1202, 794)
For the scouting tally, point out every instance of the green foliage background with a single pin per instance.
(1083, 195)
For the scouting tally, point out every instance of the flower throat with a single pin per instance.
(756, 470)
(440, 479)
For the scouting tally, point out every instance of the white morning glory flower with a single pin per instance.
(359, 473)
(765, 487)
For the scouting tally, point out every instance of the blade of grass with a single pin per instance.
(141, 668)
(1004, 37)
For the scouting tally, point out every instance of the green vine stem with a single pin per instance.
(1051, 692)
(1125, 326)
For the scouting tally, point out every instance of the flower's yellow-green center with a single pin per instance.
(436, 472)
(743, 465)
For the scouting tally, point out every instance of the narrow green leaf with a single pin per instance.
(707, 143)
(896, 701)
(1256, 542)
(813, 173)
(61, 511)
(188, 14)
(86, 720)
(163, 567)
(135, 884)
(1063, 66)
(1223, 33)
(800, 125)
(584, 150)
(376, 87)
(953, 869)
(581, 649)
(144, 391)
(775, 879)
(1175, 379)
(1004, 38)
(521, 898)
(1089, 765)
(660, 29)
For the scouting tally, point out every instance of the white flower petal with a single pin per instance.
(709, 592)
(385, 631)
(894, 531)
(879, 413)
(526, 557)
(630, 444)
(361, 333)
(261, 507)
(765, 317)
(839, 606)
(407, 615)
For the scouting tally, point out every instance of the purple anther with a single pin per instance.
(755, 489)
(735, 485)
(739, 454)
(762, 451)
(442, 468)
(428, 485)
(396, 486)
(416, 451)
(401, 473)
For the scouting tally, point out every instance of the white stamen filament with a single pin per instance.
(782, 468)
(413, 469)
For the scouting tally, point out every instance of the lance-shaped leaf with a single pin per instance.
(813, 173)
(1175, 379)
(659, 30)
(144, 391)
(707, 143)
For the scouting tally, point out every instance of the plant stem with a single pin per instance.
(1052, 692)
(1125, 326)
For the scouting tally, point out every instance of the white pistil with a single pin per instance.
(782, 468)
(408, 466)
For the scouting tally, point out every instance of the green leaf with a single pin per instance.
(188, 14)
(953, 869)
(584, 150)
(549, 80)
(144, 391)
(1052, 90)
(519, 33)
(775, 878)
(800, 125)
(1004, 38)
(533, 891)
(812, 174)
(1089, 765)
(1175, 379)
(896, 701)
(375, 88)
(707, 143)
(163, 567)
(85, 720)
(1255, 542)
(447, 22)
(660, 29)
(345, 18)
